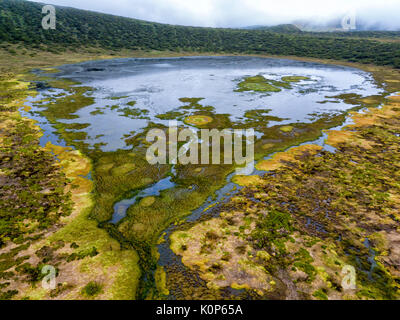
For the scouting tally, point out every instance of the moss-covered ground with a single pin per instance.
(96, 259)
(291, 233)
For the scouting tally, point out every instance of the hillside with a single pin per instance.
(21, 23)
(281, 28)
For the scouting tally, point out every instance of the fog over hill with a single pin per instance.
(315, 14)
(21, 22)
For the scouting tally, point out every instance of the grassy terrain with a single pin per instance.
(110, 260)
(121, 174)
(291, 233)
(45, 204)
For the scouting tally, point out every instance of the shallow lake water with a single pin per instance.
(157, 85)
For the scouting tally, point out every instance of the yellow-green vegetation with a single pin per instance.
(195, 114)
(147, 202)
(32, 195)
(134, 113)
(45, 204)
(96, 255)
(147, 219)
(47, 218)
(313, 213)
(31, 185)
(258, 84)
(100, 260)
(278, 159)
(222, 257)
(287, 129)
(260, 115)
(161, 281)
(294, 78)
(246, 180)
(198, 120)
(92, 289)
(261, 84)
(191, 101)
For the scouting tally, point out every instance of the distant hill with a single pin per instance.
(281, 28)
(20, 22)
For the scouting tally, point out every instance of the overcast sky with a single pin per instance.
(239, 13)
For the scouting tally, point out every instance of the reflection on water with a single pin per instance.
(121, 207)
(156, 85)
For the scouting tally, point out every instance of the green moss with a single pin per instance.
(198, 120)
(123, 169)
(119, 98)
(8, 295)
(103, 251)
(258, 84)
(134, 113)
(320, 295)
(287, 129)
(96, 112)
(191, 101)
(32, 197)
(92, 289)
(83, 254)
(268, 231)
(64, 107)
(294, 78)
(171, 115)
(117, 174)
(161, 281)
(258, 119)
(303, 262)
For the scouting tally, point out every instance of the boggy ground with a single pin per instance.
(289, 234)
(122, 174)
(71, 231)
(45, 203)
(44, 216)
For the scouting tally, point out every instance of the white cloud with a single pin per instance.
(237, 13)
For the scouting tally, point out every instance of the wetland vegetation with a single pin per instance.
(78, 193)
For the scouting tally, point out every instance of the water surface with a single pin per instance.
(156, 85)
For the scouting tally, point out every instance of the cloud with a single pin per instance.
(239, 13)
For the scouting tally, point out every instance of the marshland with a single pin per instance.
(319, 198)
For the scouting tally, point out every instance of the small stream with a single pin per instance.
(169, 258)
(120, 208)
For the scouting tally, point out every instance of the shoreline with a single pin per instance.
(301, 59)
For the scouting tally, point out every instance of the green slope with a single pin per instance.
(20, 21)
